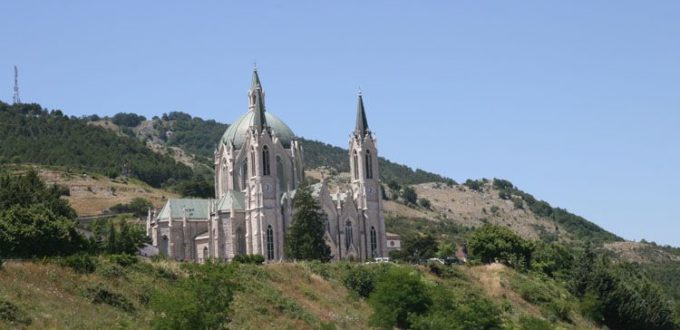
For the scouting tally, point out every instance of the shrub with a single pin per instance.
(527, 322)
(360, 280)
(102, 295)
(81, 263)
(591, 306)
(256, 259)
(409, 195)
(476, 185)
(111, 270)
(518, 203)
(425, 203)
(199, 301)
(12, 314)
(123, 260)
(494, 243)
(399, 294)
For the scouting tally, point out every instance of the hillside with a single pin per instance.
(300, 296)
(192, 140)
(30, 134)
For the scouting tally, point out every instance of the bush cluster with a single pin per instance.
(256, 259)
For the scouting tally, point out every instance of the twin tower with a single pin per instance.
(259, 163)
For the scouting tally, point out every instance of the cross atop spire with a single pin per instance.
(362, 124)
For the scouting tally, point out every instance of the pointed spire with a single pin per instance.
(362, 124)
(256, 80)
(257, 102)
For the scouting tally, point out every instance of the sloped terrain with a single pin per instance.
(281, 296)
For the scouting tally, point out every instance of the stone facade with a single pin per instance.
(258, 165)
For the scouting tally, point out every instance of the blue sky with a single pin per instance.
(576, 102)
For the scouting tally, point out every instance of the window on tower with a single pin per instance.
(265, 161)
(280, 174)
(369, 165)
(270, 243)
(355, 164)
(252, 162)
(244, 175)
(374, 242)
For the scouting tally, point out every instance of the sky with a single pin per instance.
(575, 102)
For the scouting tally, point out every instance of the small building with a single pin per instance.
(393, 242)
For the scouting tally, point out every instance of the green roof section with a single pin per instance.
(259, 119)
(362, 123)
(237, 132)
(195, 209)
(232, 199)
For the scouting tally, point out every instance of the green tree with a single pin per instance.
(409, 195)
(398, 295)
(305, 240)
(490, 243)
(34, 220)
(140, 206)
(447, 250)
(417, 248)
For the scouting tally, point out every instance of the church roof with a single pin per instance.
(195, 209)
(235, 199)
(257, 118)
(236, 133)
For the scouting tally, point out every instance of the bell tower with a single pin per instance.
(263, 217)
(363, 155)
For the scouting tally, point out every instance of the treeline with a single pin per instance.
(193, 134)
(31, 134)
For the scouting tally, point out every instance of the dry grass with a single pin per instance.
(473, 209)
(92, 194)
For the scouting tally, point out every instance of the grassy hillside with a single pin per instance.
(282, 296)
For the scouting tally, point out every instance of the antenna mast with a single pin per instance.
(16, 99)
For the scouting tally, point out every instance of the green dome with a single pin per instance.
(236, 133)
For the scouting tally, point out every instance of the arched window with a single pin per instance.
(223, 175)
(369, 165)
(280, 174)
(355, 163)
(240, 241)
(205, 253)
(348, 234)
(252, 162)
(265, 161)
(374, 242)
(270, 243)
(293, 179)
(244, 175)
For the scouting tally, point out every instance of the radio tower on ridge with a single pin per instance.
(16, 86)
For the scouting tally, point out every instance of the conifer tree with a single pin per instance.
(305, 239)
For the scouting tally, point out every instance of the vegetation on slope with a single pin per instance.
(319, 154)
(31, 134)
(578, 226)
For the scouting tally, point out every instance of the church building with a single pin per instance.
(258, 165)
